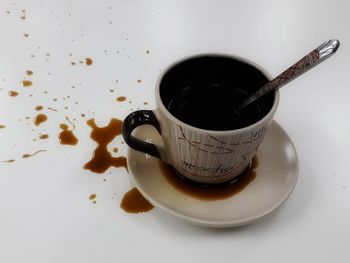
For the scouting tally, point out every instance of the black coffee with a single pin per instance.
(203, 92)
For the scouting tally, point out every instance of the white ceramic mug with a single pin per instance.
(201, 155)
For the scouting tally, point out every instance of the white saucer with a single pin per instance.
(276, 176)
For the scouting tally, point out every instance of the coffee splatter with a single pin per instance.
(121, 98)
(102, 158)
(27, 83)
(2, 126)
(9, 161)
(38, 108)
(88, 61)
(52, 109)
(39, 119)
(13, 93)
(134, 202)
(66, 136)
(27, 155)
(29, 72)
(43, 136)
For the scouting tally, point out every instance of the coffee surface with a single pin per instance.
(212, 107)
(204, 92)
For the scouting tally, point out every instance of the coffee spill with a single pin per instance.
(13, 93)
(134, 202)
(27, 83)
(39, 119)
(210, 193)
(27, 155)
(66, 136)
(102, 158)
(88, 61)
(38, 108)
(121, 99)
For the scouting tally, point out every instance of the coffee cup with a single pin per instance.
(202, 136)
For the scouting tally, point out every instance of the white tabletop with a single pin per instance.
(45, 211)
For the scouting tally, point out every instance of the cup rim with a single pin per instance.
(160, 105)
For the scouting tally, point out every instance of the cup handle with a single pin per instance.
(135, 119)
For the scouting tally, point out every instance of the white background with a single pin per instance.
(45, 212)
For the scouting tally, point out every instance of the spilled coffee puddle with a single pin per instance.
(210, 193)
(134, 202)
(102, 158)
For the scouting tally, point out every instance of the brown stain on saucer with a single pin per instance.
(208, 192)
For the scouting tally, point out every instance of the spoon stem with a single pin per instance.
(316, 56)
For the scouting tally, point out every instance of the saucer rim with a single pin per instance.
(219, 223)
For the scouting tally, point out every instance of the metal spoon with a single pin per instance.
(320, 54)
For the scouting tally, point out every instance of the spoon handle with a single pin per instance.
(316, 56)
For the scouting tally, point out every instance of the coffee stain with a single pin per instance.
(134, 202)
(29, 72)
(102, 159)
(2, 126)
(27, 155)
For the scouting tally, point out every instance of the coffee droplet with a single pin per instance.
(39, 119)
(121, 99)
(88, 61)
(13, 93)
(92, 197)
(9, 161)
(29, 72)
(134, 202)
(43, 136)
(27, 83)
(102, 159)
(38, 108)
